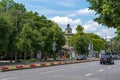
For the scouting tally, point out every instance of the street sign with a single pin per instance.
(54, 48)
(54, 43)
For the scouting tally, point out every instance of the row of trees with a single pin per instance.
(81, 41)
(23, 32)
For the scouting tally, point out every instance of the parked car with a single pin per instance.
(106, 58)
(81, 57)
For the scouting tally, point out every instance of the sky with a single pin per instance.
(73, 12)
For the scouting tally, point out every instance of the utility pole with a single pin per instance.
(111, 45)
(105, 42)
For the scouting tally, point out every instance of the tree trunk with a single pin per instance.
(25, 55)
(15, 56)
(10, 57)
(45, 57)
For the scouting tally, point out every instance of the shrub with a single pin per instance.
(33, 60)
(20, 60)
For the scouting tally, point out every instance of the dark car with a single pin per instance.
(106, 58)
(81, 57)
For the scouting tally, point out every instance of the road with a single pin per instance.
(78, 71)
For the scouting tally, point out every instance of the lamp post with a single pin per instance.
(54, 49)
(105, 43)
(111, 45)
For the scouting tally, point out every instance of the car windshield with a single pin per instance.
(105, 56)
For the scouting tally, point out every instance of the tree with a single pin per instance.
(98, 42)
(115, 45)
(59, 38)
(79, 29)
(5, 31)
(108, 12)
(27, 32)
(80, 41)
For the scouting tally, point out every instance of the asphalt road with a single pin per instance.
(79, 71)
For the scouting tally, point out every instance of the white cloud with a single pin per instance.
(85, 11)
(107, 32)
(74, 29)
(65, 20)
(102, 31)
(89, 27)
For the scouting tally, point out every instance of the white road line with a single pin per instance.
(52, 71)
(109, 67)
(9, 78)
(89, 74)
(101, 70)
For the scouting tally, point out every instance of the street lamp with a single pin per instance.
(105, 43)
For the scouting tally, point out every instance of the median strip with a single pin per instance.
(36, 65)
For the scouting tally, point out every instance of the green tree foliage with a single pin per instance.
(108, 12)
(98, 42)
(79, 29)
(80, 40)
(27, 32)
(115, 45)
(5, 31)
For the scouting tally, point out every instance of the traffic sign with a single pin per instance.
(54, 48)
(54, 43)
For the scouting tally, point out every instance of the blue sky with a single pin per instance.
(73, 12)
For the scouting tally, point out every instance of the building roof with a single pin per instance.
(68, 27)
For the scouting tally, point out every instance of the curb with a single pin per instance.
(38, 65)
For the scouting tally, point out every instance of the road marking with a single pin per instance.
(101, 70)
(89, 74)
(109, 67)
(52, 71)
(9, 78)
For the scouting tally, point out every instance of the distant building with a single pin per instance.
(68, 35)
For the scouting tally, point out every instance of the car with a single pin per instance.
(81, 57)
(106, 58)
